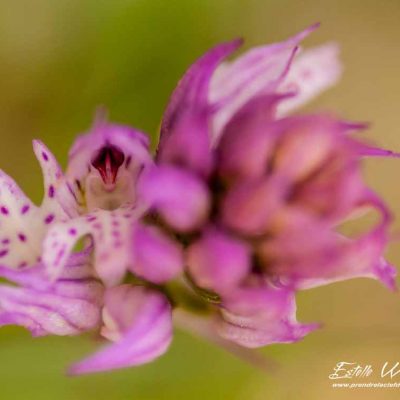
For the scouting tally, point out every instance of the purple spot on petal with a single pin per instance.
(115, 223)
(127, 216)
(91, 218)
(21, 237)
(4, 210)
(3, 253)
(5, 241)
(49, 219)
(45, 156)
(72, 232)
(25, 209)
(97, 225)
(51, 191)
(115, 233)
(22, 264)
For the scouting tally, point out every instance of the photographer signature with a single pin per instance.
(350, 370)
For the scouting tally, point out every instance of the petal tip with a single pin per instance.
(386, 273)
(300, 331)
(307, 31)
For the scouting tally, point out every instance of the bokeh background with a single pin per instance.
(60, 59)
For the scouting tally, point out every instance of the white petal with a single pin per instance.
(23, 224)
(312, 72)
(259, 70)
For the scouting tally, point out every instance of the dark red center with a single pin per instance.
(107, 161)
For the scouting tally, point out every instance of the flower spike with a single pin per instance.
(240, 208)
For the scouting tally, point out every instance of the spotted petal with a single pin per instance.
(58, 199)
(23, 224)
(139, 322)
(111, 235)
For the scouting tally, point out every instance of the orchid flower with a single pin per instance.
(239, 209)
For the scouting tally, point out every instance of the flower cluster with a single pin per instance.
(239, 209)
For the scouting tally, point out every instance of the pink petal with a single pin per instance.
(132, 141)
(362, 258)
(249, 139)
(181, 198)
(192, 90)
(139, 321)
(218, 261)
(184, 138)
(188, 145)
(306, 143)
(68, 307)
(371, 151)
(85, 180)
(259, 70)
(258, 317)
(156, 257)
(250, 205)
(309, 254)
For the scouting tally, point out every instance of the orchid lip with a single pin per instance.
(108, 161)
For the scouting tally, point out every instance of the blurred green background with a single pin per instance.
(59, 59)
